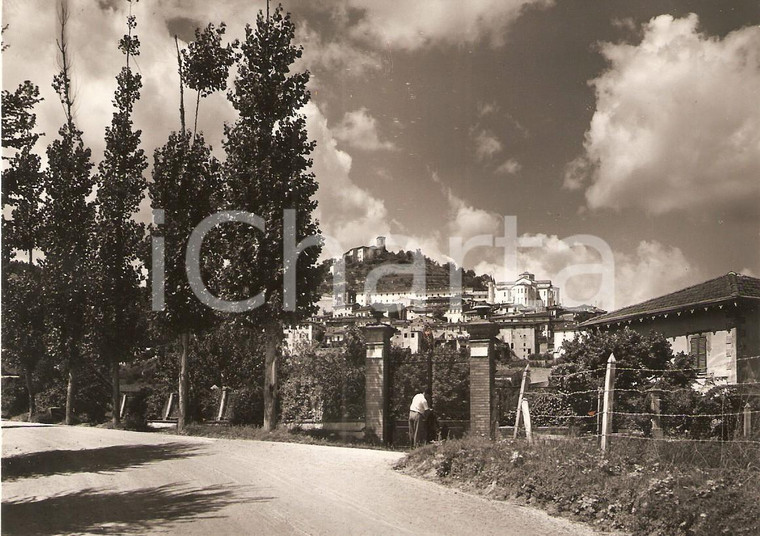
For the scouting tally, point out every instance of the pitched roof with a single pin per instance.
(721, 289)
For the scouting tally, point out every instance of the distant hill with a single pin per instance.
(436, 275)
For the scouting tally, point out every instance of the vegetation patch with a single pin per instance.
(645, 487)
(280, 434)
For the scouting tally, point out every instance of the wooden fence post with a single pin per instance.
(654, 403)
(222, 404)
(123, 405)
(599, 409)
(526, 419)
(609, 398)
(747, 420)
(525, 376)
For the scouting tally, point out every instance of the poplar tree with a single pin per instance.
(22, 183)
(266, 172)
(117, 235)
(68, 221)
(207, 63)
(186, 185)
(185, 181)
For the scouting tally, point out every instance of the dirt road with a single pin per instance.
(59, 480)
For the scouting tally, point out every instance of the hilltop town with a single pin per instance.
(529, 313)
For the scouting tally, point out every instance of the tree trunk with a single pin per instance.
(115, 392)
(272, 337)
(70, 397)
(197, 104)
(181, 88)
(182, 417)
(30, 391)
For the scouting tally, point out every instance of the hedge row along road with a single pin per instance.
(85, 480)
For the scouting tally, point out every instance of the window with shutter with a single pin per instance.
(698, 351)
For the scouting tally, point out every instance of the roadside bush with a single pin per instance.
(549, 409)
(46, 417)
(325, 384)
(136, 411)
(15, 399)
(155, 400)
(247, 406)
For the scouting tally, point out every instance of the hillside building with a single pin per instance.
(362, 253)
(716, 322)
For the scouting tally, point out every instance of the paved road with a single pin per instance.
(59, 480)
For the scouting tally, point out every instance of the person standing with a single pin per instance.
(418, 414)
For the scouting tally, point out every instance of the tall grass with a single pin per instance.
(646, 487)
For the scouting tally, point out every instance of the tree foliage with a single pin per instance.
(267, 170)
(325, 384)
(68, 222)
(185, 183)
(117, 235)
(22, 186)
(643, 362)
(206, 63)
(22, 178)
(23, 323)
(267, 173)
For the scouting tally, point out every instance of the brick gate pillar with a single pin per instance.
(483, 418)
(377, 415)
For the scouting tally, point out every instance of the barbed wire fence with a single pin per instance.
(640, 404)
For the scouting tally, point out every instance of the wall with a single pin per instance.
(522, 340)
(407, 338)
(748, 336)
(560, 336)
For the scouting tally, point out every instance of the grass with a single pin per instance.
(645, 487)
(281, 434)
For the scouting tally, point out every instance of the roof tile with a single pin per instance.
(720, 289)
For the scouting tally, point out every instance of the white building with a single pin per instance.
(528, 291)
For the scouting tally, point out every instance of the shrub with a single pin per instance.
(247, 406)
(325, 383)
(15, 399)
(155, 400)
(136, 411)
(549, 409)
(646, 487)
(45, 417)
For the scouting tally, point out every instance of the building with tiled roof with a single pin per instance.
(717, 322)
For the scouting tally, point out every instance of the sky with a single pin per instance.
(621, 138)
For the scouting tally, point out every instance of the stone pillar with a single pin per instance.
(483, 418)
(377, 418)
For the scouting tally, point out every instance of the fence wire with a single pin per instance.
(724, 427)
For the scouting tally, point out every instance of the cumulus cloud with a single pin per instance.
(487, 108)
(652, 270)
(358, 129)
(411, 25)
(509, 167)
(677, 122)
(587, 269)
(335, 53)
(486, 144)
(463, 219)
(347, 213)
(610, 279)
